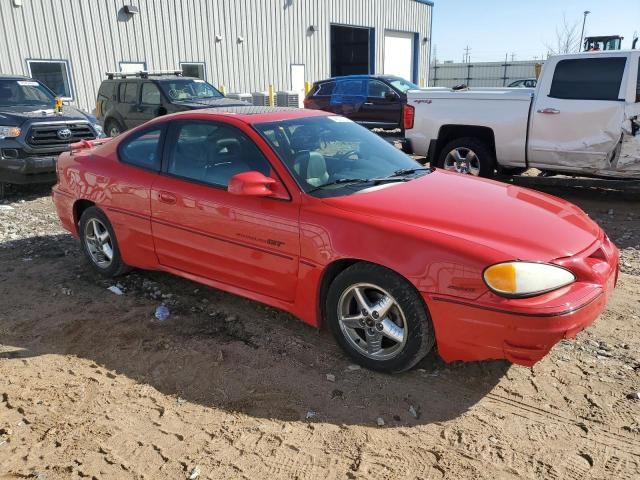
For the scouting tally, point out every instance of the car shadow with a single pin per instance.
(215, 349)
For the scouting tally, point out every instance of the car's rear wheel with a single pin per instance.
(113, 128)
(379, 318)
(467, 155)
(99, 243)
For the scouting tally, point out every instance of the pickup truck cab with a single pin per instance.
(33, 133)
(582, 118)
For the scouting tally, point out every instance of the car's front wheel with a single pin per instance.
(379, 318)
(99, 243)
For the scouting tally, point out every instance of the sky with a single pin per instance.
(493, 28)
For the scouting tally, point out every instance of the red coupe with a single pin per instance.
(309, 212)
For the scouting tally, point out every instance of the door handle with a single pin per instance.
(549, 111)
(169, 198)
(368, 103)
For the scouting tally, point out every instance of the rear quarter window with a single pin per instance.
(107, 90)
(588, 79)
(143, 149)
(325, 89)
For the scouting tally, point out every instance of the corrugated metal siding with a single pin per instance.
(95, 36)
(481, 74)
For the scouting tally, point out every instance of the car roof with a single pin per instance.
(252, 114)
(149, 79)
(361, 77)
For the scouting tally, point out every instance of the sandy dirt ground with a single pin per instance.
(92, 386)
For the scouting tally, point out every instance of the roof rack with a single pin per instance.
(143, 74)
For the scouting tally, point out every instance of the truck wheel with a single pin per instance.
(4, 188)
(113, 128)
(467, 155)
(99, 243)
(378, 318)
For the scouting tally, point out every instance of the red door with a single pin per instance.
(200, 228)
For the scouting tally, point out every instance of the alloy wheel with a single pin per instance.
(372, 321)
(462, 160)
(98, 243)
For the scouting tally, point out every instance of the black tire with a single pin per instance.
(113, 124)
(4, 189)
(481, 150)
(115, 266)
(420, 337)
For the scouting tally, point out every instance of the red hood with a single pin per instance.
(521, 223)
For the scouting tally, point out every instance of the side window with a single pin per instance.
(212, 153)
(150, 94)
(378, 89)
(143, 149)
(588, 78)
(128, 92)
(107, 90)
(325, 89)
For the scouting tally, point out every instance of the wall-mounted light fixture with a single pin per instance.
(425, 39)
(131, 9)
(218, 38)
(240, 39)
(17, 3)
(312, 28)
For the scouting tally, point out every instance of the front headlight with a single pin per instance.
(525, 279)
(9, 132)
(99, 130)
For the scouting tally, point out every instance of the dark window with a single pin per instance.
(378, 89)
(150, 94)
(143, 149)
(213, 153)
(107, 90)
(325, 89)
(193, 70)
(638, 85)
(588, 79)
(54, 74)
(128, 92)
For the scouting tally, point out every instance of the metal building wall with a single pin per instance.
(481, 74)
(95, 35)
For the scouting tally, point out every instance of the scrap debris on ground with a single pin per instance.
(95, 386)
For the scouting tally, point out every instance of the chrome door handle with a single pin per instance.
(549, 111)
(368, 103)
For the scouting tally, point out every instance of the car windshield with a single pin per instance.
(403, 85)
(15, 93)
(333, 156)
(189, 89)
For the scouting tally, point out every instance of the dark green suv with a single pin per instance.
(126, 100)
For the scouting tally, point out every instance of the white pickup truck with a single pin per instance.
(582, 118)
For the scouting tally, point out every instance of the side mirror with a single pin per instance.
(253, 184)
(391, 96)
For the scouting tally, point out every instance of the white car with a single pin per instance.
(582, 118)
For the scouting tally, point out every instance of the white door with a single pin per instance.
(398, 54)
(297, 81)
(577, 117)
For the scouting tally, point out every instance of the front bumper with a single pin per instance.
(27, 170)
(522, 331)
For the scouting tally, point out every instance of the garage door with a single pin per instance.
(398, 54)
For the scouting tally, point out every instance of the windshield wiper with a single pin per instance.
(340, 181)
(408, 171)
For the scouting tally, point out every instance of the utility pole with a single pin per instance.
(584, 20)
(513, 56)
(467, 57)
